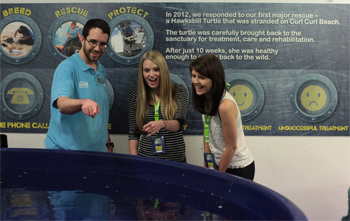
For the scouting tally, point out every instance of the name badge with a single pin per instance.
(158, 145)
(210, 161)
(101, 80)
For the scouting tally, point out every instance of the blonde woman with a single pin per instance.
(157, 111)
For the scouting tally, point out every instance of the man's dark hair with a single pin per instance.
(96, 23)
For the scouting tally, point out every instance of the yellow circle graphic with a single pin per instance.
(313, 98)
(243, 96)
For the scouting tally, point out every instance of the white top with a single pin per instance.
(242, 156)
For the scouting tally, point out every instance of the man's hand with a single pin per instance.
(72, 106)
(90, 108)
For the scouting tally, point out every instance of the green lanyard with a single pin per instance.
(206, 128)
(156, 107)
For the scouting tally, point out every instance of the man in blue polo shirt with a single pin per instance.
(79, 98)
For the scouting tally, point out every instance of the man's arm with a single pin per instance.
(72, 106)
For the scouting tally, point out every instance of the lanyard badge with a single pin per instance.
(209, 159)
(158, 145)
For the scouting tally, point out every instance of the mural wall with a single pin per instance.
(287, 64)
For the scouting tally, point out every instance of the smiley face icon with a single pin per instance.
(243, 96)
(313, 98)
(248, 94)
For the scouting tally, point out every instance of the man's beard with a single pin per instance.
(87, 53)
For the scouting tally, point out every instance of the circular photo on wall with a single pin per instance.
(67, 37)
(128, 39)
(17, 39)
(131, 37)
(63, 37)
(20, 39)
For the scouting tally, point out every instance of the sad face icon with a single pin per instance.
(313, 98)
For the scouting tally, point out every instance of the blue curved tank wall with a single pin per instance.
(145, 178)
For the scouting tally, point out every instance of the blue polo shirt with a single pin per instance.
(73, 78)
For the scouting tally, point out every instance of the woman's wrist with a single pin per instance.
(164, 124)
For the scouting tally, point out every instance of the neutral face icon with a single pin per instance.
(243, 96)
(313, 98)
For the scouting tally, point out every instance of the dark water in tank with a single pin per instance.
(22, 204)
(29, 197)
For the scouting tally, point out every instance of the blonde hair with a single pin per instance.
(168, 101)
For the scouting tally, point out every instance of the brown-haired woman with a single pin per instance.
(220, 113)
